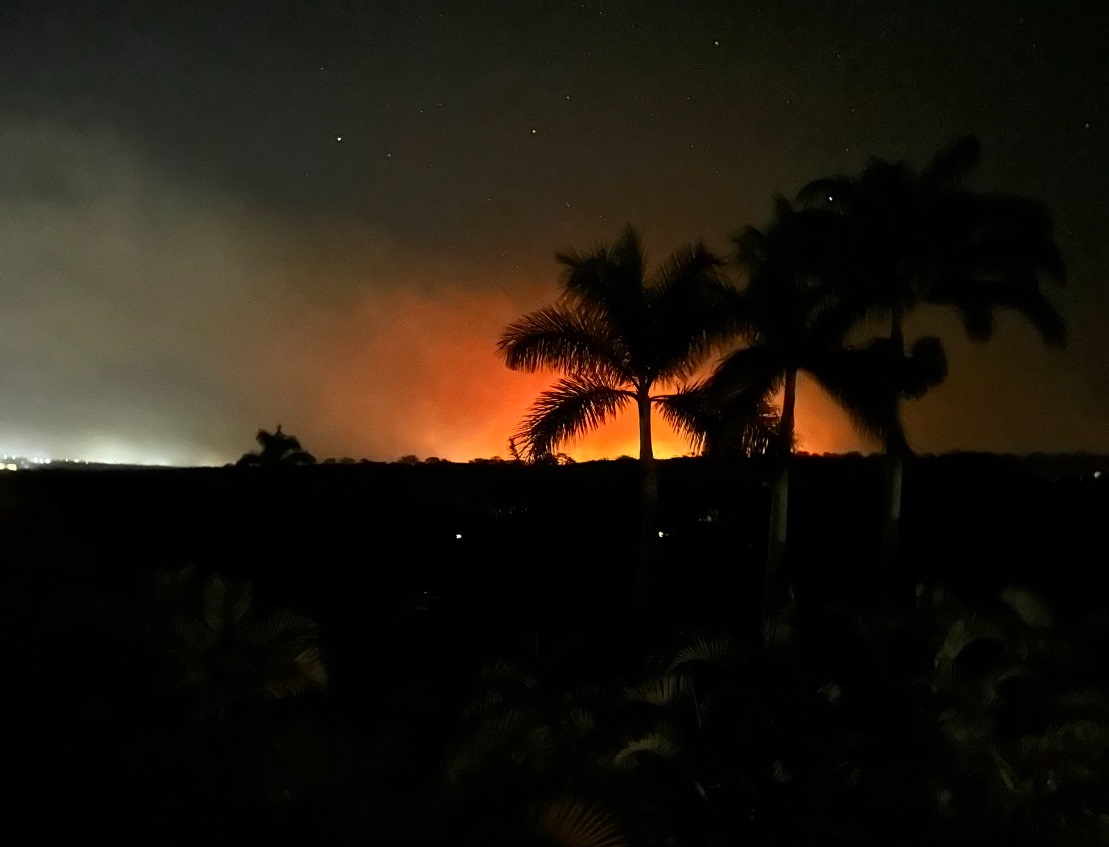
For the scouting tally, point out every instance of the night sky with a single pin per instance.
(216, 217)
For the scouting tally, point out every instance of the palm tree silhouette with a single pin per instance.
(616, 333)
(277, 448)
(919, 237)
(790, 316)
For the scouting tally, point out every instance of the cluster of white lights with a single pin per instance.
(13, 463)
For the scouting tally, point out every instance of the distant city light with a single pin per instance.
(458, 535)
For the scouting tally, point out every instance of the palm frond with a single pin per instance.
(1001, 249)
(744, 422)
(748, 370)
(574, 406)
(862, 380)
(576, 823)
(627, 254)
(563, 338)
(979, 301)
(502, 672)
(306, 672)
(656, 744)
(690, 264)
(746, 430)
(869, 382)
(483, 705)
(735, 408)
(694, 310)
(662, 690)
(224, 602)
(962, 633)
(221, 649)
(279, 625)
(924, 368)
(719, 650)
(688, 413)
(501, 742)
(609, 284)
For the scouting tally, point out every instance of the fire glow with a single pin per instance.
(417, 374)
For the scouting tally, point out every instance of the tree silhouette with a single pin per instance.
(616, 333)
(791, 319)
(914, 237)
(277, 448)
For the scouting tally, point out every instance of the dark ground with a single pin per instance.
(419, 576)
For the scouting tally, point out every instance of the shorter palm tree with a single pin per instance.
(790, 317)
(616, 333)
(277, 448)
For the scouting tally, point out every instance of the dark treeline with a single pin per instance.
(975, 518)
(510, 544)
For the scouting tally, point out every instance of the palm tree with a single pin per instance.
(791, 320)
(618, 332)
(277, 449)
(919, 237)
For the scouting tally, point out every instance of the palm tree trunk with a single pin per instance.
(647, 577)
(773, 589)
(894, 465)
(646, 450)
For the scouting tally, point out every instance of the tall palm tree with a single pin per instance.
(617, 333)
(791, 321)
(920, 237)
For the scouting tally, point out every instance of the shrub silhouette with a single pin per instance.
(277, 448)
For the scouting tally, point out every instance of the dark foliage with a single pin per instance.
(277, 449)
(188, 705)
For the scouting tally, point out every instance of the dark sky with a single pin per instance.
(220, 216)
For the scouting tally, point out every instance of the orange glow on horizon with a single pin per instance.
(418, 374)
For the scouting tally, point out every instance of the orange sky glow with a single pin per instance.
(418, 374)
